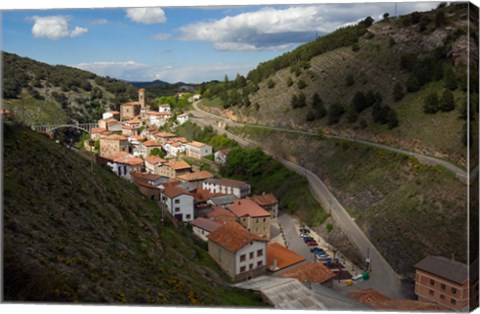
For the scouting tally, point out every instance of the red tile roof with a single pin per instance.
(178, 165)
(197, 144)
(132, 103)
(232, 236)
(230, 182)
(246, 207)
(151, 144)
(173, 191)
(154, 160)
(97, 130)
(265, 199)
(115, 137)
(133, 161)
(138, 137)
(378, 301)
(128, 127)
(283, 257)
(219, 211)
(315, 272)
(206, 224)
(165, 134)
(196, 176)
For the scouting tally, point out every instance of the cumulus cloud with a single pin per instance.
(54, 27)
(281, 28)
(146, 15)
(161, 36)
(135, 71)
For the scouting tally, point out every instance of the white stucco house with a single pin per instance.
(178, 202)
(182, 118)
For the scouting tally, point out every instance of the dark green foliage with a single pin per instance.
(301, 84)
(298, 101)
(289, 81)
(270, 83)
(447, 102)
(240, 81)
(440, 19)
(318, 106)
(412, 84)
(335, 112)
(352, 114)
(355, 47)
(430, 103)
(206, 135)
(407, 61)
(367, 22)
(358, 102)
(397, 92)
(392, 118)
(310, 116)
(386, 15)
(450, 79)
(349, 81)
(157, 152)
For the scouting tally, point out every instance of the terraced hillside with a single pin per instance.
(73, 236)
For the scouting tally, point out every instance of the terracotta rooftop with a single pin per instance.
(129, 160)
(138, 137)
(134, 120)
(165, 134)
(114, 112)
(120, 154)
(265, 199)
(132, 103)
(196, 176)
(228, 182)
(232, 236)
(202, 195)
(115, 137)
(219, 211)
(164, 105)
(154, 160)
(206, 224)
(197, 144)
(314, 272)
(147, 179)
(173, 191)
(246, 207)
(178, 165)
(445, 268)
(130, 127)
(151, 144)
(281, 256)
(378, 301)
(97, 130)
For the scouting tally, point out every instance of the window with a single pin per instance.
(251, 255)
(431, 292)
(177, 209)
(443, 286)
(188, 216)
(242, 258)
(259, 253)
(432, 282)
(177, 201)
(259, 263)
(442, 297)
(453, 301)
(250, 267)
(454, 290)
(264, 219)
(242, 269)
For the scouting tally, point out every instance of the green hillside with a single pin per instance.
(73, 236)
(41, 93)
(371, 82)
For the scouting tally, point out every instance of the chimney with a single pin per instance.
(274, 265)
(453, 256)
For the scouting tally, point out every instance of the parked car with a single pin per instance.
(303, 235)
(317, 250)
(357, 277)
(322, 257)
(306, 239)
(312, 243)
(304, 230)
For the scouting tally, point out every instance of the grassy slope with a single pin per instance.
(73, 237)
(408, 210)
(376, 66)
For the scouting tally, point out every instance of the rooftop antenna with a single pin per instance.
(395, 9)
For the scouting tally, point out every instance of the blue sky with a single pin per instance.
(189, 44)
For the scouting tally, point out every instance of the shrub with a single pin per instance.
(430, 103)
(289, 82)
(351, 114)
(447, 102)
(318, 106)
(301, 84)
(335, 112)
(349, 81)
(355, 47)
(310, 116)
(270, 83)
(397, 92)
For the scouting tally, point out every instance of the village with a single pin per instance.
(243, 231)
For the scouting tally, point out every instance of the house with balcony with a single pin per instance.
(227, 186)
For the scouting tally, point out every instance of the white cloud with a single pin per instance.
(135, 71)
(78, 31)
(161, 36)
(54, 27)
(280, 29)
(99, 22)
(147, 15)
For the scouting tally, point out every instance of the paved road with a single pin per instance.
(383, 277)
(461, 174)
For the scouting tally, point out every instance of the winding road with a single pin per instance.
(383, 277)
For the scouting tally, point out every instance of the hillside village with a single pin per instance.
(242, 230)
